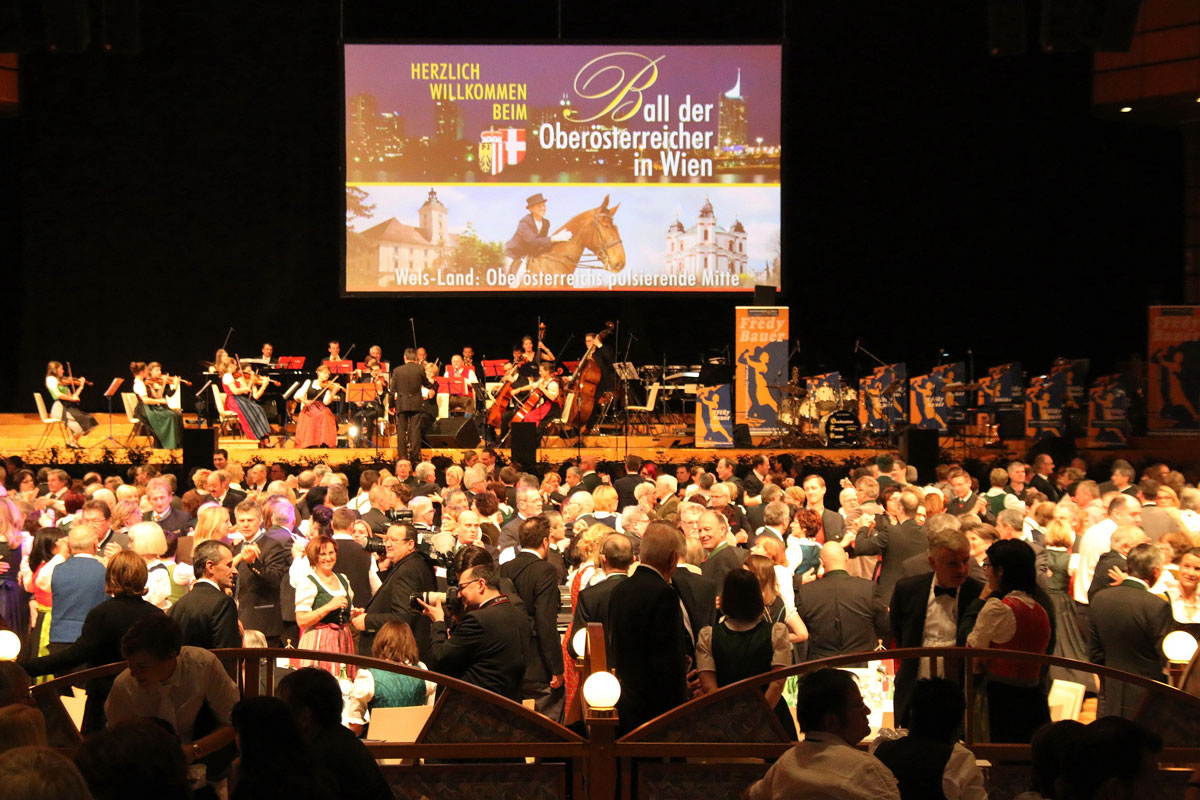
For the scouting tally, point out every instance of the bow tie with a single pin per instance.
(942, 591)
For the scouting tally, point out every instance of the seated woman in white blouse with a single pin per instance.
(375, 688)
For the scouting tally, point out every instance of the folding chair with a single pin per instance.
(226, 419)
(50, 422)
(130, 400)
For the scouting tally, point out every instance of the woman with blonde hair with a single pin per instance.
(212, 522)
(148, 541)
(604, 507)
(125, 515)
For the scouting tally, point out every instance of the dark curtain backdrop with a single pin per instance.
(934, 197)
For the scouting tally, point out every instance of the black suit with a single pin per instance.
(487, 648)
(834, 525)
(355, 563)
(592, 605)
(752, 485)
(625, 487)
(176, 523)
(208, 617)
(99, 643)
(536, 581)
(411, 575)
(645, 624)
(1126, 628)
(843, 615)
(699, 596)
(897, 544)
(1044, 486)
(230, 501)
(377, 520)
(407, 381)
(919, 565)
(720, 562)
(1100, 579)
(959, 507)
(258, 588)
(590, 482)
(909, 602)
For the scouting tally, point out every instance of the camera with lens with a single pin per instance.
(375, 544)
(396, 515)
(414, 601)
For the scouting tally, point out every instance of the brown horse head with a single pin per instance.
(594, 229)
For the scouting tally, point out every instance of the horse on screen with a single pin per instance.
(592, 230)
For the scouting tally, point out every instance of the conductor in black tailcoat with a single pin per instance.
(407, 381)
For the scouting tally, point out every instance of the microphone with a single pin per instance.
(857, 342)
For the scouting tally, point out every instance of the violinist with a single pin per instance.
(151, 388)
(242, 389)
(367, 412)
(315, 424)
(64, 392)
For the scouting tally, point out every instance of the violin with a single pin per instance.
(164, 379)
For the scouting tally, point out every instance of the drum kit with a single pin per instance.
(828, 415)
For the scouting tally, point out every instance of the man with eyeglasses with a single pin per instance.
(408, 575)
(488, 645)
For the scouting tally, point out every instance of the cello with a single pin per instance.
(581, 398)
(495, 414)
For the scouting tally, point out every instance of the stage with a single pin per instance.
(25, 435)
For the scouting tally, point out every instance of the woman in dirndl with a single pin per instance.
(315, 424)
(323, 608)
(240, 395)
(66, 402)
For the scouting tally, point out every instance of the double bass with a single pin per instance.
(582, 386)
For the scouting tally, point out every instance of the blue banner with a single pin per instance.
(714, 416)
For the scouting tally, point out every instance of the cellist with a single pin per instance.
(541, 400)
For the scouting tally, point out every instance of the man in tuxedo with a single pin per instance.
(536, 581)
(725, 474)
(408, 575)
(666, 501)
(529, 505)
(352, 560)
(616, 554)
(382, 500)
(831, 521)
(175, 522)
(895, 543)
(218, 488)
(645, 625)
(963, 499)
(842, 613)
(775, 520)
(408, 380)
(721, 556)
(1123, 540)
(1010, 524)
(754, 512)
(207, 615)
(628, 482)
(262, 567)
(698, 595)
(1126, 628)
(1043, 477)
(926, 609)
(488, 646)
(58, 483)
(755, 480)
(97, 515)
(587, 471)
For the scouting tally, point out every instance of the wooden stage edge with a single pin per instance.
(22, 435)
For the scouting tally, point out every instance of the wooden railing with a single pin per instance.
(602, 767)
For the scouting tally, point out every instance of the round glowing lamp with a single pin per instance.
(579, 642)
(602, 690)
(1179, 646)
(10, 646)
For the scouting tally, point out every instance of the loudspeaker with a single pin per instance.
(198, 447)
(1010, 423)
(741, 436)
(453, 432)
(919, 448)
(524, 440)
(764, 295)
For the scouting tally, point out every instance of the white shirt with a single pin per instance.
(198, 677)
(996, 621)
(358, 702)
(361, 503)
(824, 766)
(941, 623)
(306, 591)
(1096, 541)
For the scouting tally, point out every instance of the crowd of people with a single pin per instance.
(701, 577)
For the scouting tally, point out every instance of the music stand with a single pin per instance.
(360, 393)
(112, 389)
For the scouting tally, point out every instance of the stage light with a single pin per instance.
(1126, 109)
(579, 641)
(10, 646)
(602, 690)
(1179, 646)
(353, 432)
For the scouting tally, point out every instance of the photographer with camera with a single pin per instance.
(408, 576)
(489, 642)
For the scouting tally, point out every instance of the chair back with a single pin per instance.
(41, 407)
(129, 400)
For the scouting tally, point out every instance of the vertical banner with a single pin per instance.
(1108, 407)
(714, 417)
(1002, 386)
(761, 344)
(1045, 405)
(1173, 368)
(881, 396)
(928, 408)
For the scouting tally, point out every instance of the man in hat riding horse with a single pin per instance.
(532, 237)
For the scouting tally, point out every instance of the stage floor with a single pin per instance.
(25, 435)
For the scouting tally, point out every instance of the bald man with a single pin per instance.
(843, 614)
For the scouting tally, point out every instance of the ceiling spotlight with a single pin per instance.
(1126, 109)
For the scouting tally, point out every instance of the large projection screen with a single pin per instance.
(657, 168)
